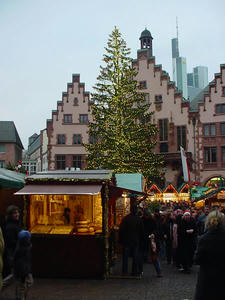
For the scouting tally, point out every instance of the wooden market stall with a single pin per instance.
(154, 193)
(71, 216)
(212, 196)
(170, 193)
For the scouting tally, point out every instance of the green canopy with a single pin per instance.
(11, 179)
(132, 181)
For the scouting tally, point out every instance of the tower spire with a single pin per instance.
(177, 26)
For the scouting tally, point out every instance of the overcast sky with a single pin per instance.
(44, 41)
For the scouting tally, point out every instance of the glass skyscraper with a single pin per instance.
(179, 69)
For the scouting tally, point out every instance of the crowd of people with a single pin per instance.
(181, 235)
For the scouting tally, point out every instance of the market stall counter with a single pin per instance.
(70, 216)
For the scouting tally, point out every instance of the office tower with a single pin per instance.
(200, 74)
(179, 69)
(181, 65)
(190, 79)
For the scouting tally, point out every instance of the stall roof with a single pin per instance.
(11, 179)
(73, 175)
(47, 189)
(131, 181)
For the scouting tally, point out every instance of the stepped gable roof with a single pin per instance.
(9, 134)
(146, 34)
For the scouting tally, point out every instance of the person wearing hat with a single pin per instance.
(22, 264)
(187, 241)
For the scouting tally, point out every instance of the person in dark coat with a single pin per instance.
(201, 221)
(10, 232)
(187, 241)
(22, 264)
(168, 236)
(149, 228)
(131, 237)
(210, 255)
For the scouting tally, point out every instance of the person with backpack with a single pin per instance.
(22, 265)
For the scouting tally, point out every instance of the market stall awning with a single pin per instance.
(79, 189)
(11, 179)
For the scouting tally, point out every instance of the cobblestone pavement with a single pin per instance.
(172, 286)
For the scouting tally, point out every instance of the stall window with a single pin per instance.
(61, 139)
(209, 129)
(77, 139)
(77, 161)
(163, 129)
(84, 119)
(84, 214)
(67, 118)
(61, 162)
(181, 137)
(210, 155)
(222, 128)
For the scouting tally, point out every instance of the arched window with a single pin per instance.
(75, 101)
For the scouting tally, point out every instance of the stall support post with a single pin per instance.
(26, 211)
(105, 199)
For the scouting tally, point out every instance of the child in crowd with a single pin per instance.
(22, 265)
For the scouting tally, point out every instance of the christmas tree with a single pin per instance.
(122, 136)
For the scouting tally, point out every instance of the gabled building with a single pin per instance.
(67, 129)
(207, 111)
(199, 126)
(10, 144)
(170, 111)
(35, 158)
